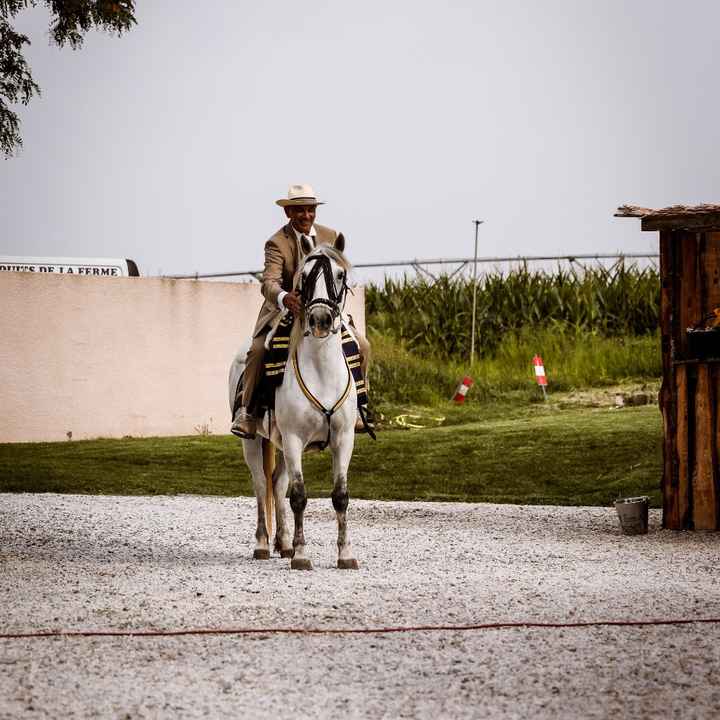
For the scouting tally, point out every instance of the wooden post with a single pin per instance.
(689, 309)
(269, 468)
(715, 380)
(710, 269)
(682, 440)
(703, 478)
(668, 391)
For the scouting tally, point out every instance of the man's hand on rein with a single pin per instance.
(292, 302)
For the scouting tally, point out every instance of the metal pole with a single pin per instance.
(472, 332)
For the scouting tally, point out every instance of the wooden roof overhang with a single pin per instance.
(675, 217)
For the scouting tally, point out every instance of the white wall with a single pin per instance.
(108, 357)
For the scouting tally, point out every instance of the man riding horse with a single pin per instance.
(283, 253)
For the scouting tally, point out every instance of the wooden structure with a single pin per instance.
(690, 292)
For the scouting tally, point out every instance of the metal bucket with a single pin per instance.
(633, 515)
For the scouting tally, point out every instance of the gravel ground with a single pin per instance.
(79, 562)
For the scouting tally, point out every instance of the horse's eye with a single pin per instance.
(340, 275)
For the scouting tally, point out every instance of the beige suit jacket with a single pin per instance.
(282, 257)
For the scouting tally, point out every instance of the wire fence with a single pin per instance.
(432, 268)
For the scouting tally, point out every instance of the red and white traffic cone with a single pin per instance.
(540, 374)
(462, 389)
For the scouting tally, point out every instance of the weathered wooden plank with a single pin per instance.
(668, 393)
(705, 221)
(666, 301)
(675, 272)
(669, 483)
(710, 272)
(689, 308)
(715, 384)
(679, 517)
(634, 211)
(703, 474)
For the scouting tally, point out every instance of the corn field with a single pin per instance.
(436, 316)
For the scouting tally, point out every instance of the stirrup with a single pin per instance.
(244, 425)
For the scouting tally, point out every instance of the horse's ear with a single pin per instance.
(307, 248)
(340, 242)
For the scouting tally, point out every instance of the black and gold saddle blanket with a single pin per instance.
(276, 357)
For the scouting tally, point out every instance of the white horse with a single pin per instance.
(316, 403)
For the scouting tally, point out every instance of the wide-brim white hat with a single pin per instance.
(299, 195)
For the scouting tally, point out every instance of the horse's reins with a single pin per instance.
(322, 263)
(334, 299)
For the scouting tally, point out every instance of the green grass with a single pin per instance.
(503, 445)
(574, 358)
(529, 453)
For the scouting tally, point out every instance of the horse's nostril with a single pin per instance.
(320, 320)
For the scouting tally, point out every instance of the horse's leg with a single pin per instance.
(341, 454)
(283, 541)
(292, 448)
(252, 450)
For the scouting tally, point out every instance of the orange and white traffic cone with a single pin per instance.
(462, 389)
(540, 374)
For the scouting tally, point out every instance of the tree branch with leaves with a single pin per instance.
(70, 20)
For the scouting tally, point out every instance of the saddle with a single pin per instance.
(275, 361)
(276, 357)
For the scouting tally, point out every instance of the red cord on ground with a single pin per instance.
(351, 631)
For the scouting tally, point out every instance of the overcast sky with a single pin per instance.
(170, 144)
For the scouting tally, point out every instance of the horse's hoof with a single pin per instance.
(287, 553)
(348, 564)
(300, 564)
(261, 555)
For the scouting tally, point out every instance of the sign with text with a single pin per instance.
(98, 267)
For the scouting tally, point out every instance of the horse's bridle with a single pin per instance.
(335, 300)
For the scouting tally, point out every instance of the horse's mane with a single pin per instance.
(334, 254)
